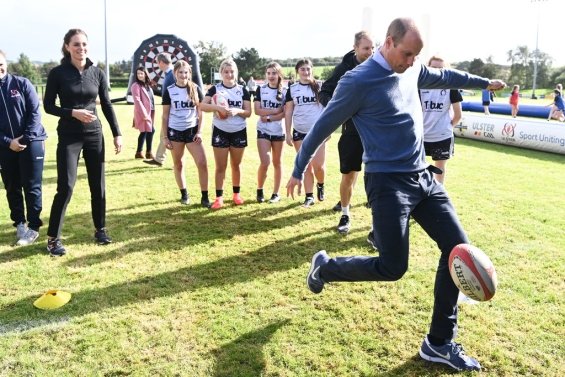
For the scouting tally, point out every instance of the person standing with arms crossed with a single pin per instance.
(78, 83)
(349, 145)
(22, 152)
(166, 66)
(382, 97)
(442, 111)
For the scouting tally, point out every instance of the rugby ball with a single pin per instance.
(220, 100)
(472, 272)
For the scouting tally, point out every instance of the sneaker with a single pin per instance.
(29, 237)
(218, 203)
(320, 192)
(101, 237)
(275, 198)
(451, 354)
(139, 155)
(149, 155)
(260, 199)
(313, 280)
(237, 199)
(371, 240)
(337, 207)
(153, 162)
(205, 202)
(308, 202)
(185, 199)
(55, 247)
(21, 230)
(344, 225)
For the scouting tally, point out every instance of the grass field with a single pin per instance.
(184, 291)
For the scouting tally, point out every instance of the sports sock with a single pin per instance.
(260, 193)
(204, 195)
(219, 193)
(345, 211)
(236, 189)
(183, 193)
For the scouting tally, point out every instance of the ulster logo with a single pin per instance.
(508, 129)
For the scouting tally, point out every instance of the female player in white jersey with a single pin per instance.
(229, 135)
(269, 107)
(302, 109)
(182, 125)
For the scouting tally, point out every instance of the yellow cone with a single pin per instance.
(52, 299)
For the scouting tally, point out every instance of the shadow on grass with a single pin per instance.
(271, 258)
(416, 366)
(244, 356)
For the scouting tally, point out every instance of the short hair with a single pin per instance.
(164, 58)
(398, 28)
(360, 35)
(435, 57)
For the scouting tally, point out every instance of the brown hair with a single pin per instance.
(67, 40)
(146, 82)
(363, 34)
(191, 87)
(277, 67)
(313, 83)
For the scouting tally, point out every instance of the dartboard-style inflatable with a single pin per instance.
(146, 56)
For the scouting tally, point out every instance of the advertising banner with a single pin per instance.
(518, 132)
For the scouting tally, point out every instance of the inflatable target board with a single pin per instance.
(146, 56)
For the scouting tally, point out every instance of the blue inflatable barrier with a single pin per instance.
(533, 111)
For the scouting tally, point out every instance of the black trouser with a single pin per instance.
(145, 136)
(68, 152)
(24, 171)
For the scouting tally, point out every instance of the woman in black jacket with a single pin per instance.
(77, 83)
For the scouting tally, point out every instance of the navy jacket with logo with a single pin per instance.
(19, 111)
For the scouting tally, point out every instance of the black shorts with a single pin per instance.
(297, 136)
(440, 150)
(223, 139)
(186, 136)
(266, 136)
(486, 103)
(350, 151)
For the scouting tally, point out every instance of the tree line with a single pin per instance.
(519, 71)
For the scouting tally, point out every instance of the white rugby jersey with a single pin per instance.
(267, 97)
(182, 113)
(436, 105)
(306, 109)
(235, 96)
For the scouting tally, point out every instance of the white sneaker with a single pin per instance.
(21, 230)
(29, 237)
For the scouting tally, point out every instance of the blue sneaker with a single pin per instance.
(313, 280)
(451, 354)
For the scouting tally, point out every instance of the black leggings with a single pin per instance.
(68, 153)
(143, 136)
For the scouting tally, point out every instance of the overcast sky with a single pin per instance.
(457, 30)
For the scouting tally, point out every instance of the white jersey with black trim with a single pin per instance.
(436, 105)
(306, 109)
(235, 96)
(182, 113)
(267, 98)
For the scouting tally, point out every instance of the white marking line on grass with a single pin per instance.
(21, 327)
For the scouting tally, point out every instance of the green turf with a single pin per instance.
(184, 291)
